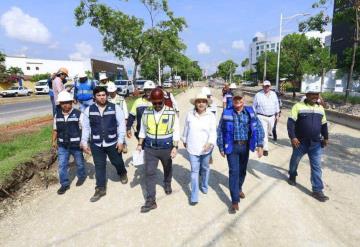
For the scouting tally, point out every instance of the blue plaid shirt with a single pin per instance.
(241, 130)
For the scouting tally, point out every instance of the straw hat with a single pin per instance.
(201, 96)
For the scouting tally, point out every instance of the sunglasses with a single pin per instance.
(158, 103)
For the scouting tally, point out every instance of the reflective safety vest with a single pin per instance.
(229, 101)
(84, 90)
(103, 127)
(68, 131)
(118, 100)
(228, 129)
(159, 135)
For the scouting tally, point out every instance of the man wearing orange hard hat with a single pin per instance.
(58, 83)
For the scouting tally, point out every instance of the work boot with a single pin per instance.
(168, 189)
(63, 189)
(266, 153)
(149, 205)
(292, 180)
(320, 196)
(99, 192)
(123, 178)
(233, 208)
(242, 195)
(80, 181)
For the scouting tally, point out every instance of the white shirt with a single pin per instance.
(266, 104)
(198, 131)
(157, 115)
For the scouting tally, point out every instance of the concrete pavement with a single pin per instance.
(272, 214)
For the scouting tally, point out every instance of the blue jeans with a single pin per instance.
(314, 151)
(99, 156)
(85, 104)
(53, 104)
(63, 156)
(199, 165)
(237, 162)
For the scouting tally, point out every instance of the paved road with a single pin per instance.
(21, 111)
(272, 214)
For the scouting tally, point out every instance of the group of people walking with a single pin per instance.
(100, 128)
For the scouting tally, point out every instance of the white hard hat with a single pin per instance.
(82, 74)
(266, 83)
(232, 86)
(64, 96)
(111, 87)
(102, 77)
(312, 89)
(149, 85)
(206, 91)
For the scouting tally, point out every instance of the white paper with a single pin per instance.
(138, 158)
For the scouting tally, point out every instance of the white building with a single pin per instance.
(259, 45)
(325, 37)
(33, 66)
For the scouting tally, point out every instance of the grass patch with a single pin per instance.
(339, 98)
(21, 149)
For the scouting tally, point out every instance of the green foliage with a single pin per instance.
(320, 60)
(3, 75)
(127, 36)
(21, 149)
(271, 65)
(39, 77)
(89, 74)
(247, 74)
(15, 71)
(245, 62)
(339, 98)
(226, 69)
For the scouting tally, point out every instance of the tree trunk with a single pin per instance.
(135, 72)
(355, 46)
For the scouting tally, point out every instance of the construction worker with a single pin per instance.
(159, 134)
(58, 83)
(104, 125)
(238, 132)
(308, 132)
(120, 101)
(66, 137)
(138, 108)
(170, 100)
(83, 92)
(227, 98)
(103, 80)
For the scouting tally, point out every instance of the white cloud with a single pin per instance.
(21, 26)
(54, 45)
(83, 51)
(259, 35)
(22, 51)
(238, 45)
(203, 48)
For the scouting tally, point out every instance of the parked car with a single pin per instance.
(167, 84)
(16, 91)
(139, 85)
(42, 87)
(249, 83)
(124, 87)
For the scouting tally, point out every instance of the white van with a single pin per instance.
(42, 87)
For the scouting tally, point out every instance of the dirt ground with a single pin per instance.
(272, 214)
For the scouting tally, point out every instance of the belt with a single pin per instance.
(266, 115)
(241, 142)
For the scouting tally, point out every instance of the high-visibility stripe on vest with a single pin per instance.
(159, 135)
(68, 132)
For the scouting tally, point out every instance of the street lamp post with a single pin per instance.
(280, 38)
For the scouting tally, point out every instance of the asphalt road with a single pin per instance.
(26, 110)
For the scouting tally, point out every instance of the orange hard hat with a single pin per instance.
(157, 94)
(64, 71)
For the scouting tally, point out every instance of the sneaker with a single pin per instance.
(148, 206)
(193, 203)
(99, 192)
(266, 153)
(292, 180)
(124, 178)
(320, 196)
(63, 189)
(242, 195)
(167, 189)
(80, 181)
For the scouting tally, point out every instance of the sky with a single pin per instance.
(217, 30)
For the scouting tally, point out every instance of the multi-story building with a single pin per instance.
(259, 45)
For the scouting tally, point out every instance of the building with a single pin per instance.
(342, 35)
(259, 45)
(324, 37)
(33, 66)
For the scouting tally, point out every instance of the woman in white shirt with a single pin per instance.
(199, 138)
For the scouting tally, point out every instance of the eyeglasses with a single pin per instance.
(157, 103)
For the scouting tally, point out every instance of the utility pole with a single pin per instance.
(159, 71)
(278, 58)
(265, 62)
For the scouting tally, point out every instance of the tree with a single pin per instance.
(247, 74)
(226, 69)
(271, 65)
(126, 35)
(3, 74)
(348, 11)
(296, 51)
(15, 71)
(39, 77)
(245, 62)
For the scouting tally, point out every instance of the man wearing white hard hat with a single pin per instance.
(103, 80)
(308, 132)
(227, 99)
(266, 106)
(212, 106)
(66, 138)
(138, 109)
(83, 92)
